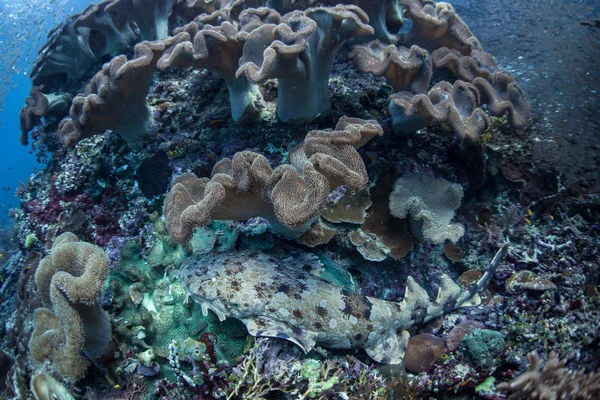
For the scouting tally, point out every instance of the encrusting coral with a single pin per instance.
(72, 323)
(289, 196)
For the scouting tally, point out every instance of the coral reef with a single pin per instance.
(289, 196)
(247, 238)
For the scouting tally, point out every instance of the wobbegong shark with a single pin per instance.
(285, 299)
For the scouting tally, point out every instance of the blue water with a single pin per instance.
(16, 163)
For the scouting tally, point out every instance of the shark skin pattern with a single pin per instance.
(284, 299)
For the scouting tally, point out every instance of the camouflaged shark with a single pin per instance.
(274, 298)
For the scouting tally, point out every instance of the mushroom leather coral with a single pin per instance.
(218, 48)
(299, 53)
(71, 322)
(385, 16)
(436, 25)
(455, 104)
(115, 98)
(289, 196)
(429, 204)
(405, 69)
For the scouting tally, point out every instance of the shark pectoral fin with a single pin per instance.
(475, 300)
(206, 306)
(261, 326)
(390, 350)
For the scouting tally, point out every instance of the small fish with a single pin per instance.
(284, 299)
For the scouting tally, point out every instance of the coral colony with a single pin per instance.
(287, 200)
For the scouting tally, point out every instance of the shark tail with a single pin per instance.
(417, 308)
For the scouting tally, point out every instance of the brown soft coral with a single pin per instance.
(465, 67)
(502, 93)
(298, 51)
(39, 105)
(385, 16)
(444, 103)
(115, 98)
(405, 69)
(498, 88)
(72, 322)
(289, 196)
(436, 25)
(218, 48)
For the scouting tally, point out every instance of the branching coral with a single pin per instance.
(299, 53)
(552, 381)
(289, 196)
(72, 321)
(115, 98)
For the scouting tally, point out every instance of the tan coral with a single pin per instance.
(114, 28)
(299, 52)
(218, 48)
(502, 93)
(391, 232)
(436, 25)
(115, 98)
(455, 104)
(465, 67)
(423, 351)
(429, 204)
(497, 88)
(405, 69)
(69, 281)
(385, 16)
(289, 196)
(151, 18)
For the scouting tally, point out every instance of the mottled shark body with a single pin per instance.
(275, 298)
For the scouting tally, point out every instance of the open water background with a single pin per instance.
(16, 21)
